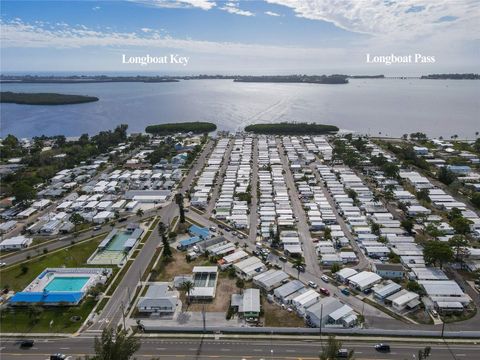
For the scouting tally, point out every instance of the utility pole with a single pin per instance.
(321, 320)
(123, 316)
(443, 327)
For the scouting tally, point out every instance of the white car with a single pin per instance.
(325, 278)
(2, 264)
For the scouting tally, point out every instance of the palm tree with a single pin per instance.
(139, 212)
(187, 286)
(297, 264)
(330, 351)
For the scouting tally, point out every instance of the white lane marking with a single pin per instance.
(225, 350)
(161, 349)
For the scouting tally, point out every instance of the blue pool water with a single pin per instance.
(66, 283)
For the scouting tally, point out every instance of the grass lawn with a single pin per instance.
(75, 256)
(119, 278)
(101, 305)
(177, 266)
(420, 316)
(276, 316)
(17, 320)
(225, 288)
(469, 312)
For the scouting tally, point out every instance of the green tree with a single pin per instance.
(446, 176)
(459, 244)
(34, 313)
(475, 199)
(434, 231)
(22, 191)
(187, 286)
(115, 345)
(140, 212)
(167, 251)
(327, 233)
(414, 286)
(407, 224)
(240, 284)
(179, 201)
(352, 194)
(297, 264)
(437, 252)
(461, 225)
(423, 195)
(425, 353)
(390, 170)
(335, 268)
(76, 220)
(331, 348)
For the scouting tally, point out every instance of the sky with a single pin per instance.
(240, 37)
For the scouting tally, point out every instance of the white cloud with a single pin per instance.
(395, 19)
(271, 13)
(96, 8)
(18, 34)
(202, 4)
(233, 8)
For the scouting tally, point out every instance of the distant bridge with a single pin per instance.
(402, 77)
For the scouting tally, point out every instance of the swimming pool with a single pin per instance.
(118, 241)
(64, 283)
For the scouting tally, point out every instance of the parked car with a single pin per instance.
(325, 278)
(367, 291)
(342, 353)
(282, 259)
(96, 228)
(324, 291)
(59, 357)
(434, 313)
(345, 291)
(382, 347)
(213, 228)
(300, 268)
(312, 285)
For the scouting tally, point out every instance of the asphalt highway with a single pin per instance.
(236, 349)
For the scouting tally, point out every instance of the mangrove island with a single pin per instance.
(44, 98)
(196, 127)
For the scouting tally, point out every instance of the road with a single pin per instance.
(363, 262)
(237, 349)
(219, 179)
(309, 252)
(253, 221)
